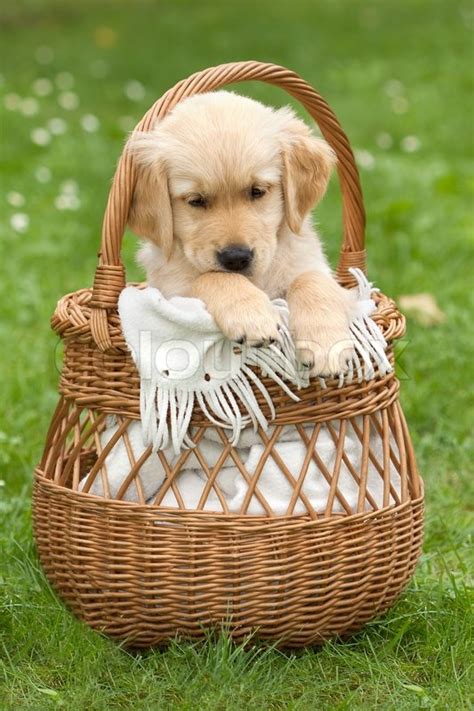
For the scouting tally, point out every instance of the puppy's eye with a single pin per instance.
(198, 201)
(256, 193)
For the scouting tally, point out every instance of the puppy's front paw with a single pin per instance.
(325, 348)
(320, 315)
(253, 321)
(326, 355)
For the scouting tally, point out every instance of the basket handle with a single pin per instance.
(110, 273)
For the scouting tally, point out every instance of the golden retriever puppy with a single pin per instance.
(223, 198)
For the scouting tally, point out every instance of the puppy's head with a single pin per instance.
(220, 175)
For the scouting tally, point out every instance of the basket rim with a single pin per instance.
(213, 519)
(79, 300)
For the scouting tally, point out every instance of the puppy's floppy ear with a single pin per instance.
(150, 214)
(307, 165)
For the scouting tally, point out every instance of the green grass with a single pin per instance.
(398, 67)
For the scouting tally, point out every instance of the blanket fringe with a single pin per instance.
(370, 358)
(166, 410)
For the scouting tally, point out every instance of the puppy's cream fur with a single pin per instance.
(200, 170)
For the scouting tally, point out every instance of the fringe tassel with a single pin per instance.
(369, 343)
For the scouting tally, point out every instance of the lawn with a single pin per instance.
(75, 77)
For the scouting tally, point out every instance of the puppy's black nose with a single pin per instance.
(235, 257)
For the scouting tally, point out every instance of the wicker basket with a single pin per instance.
(144, 573)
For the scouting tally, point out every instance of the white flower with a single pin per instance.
(134, 90)
(394, 87)
(57, 126)
(42, 86)
(64, 81)
(40, 136)
(29, 106)
(19, 221)
(43, 174)
(127, 123)
(67, 202)
(44, 55)
(99, 69)
(399, 105)
(364, 159)
(90, 123)
(12, 102)
(410, 144)
(69, 187)
(68, 199)
(68, 100)
(15, 199)
(384, 140)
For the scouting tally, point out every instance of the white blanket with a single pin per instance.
(273, 485)
(182, 357)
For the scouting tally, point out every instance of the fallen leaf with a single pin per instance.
(423, 308)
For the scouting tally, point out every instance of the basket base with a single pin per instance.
(144, 575)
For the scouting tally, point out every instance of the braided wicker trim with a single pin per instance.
(71, 318)
(205, 520)
(109, 281)
(347, 260)
(108, 381)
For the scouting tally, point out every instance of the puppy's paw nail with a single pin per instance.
(272, 340)
(240, 340)
(307, 364)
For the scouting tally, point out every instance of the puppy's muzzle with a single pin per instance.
(235, 257)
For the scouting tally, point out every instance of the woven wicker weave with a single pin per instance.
(142, 572)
